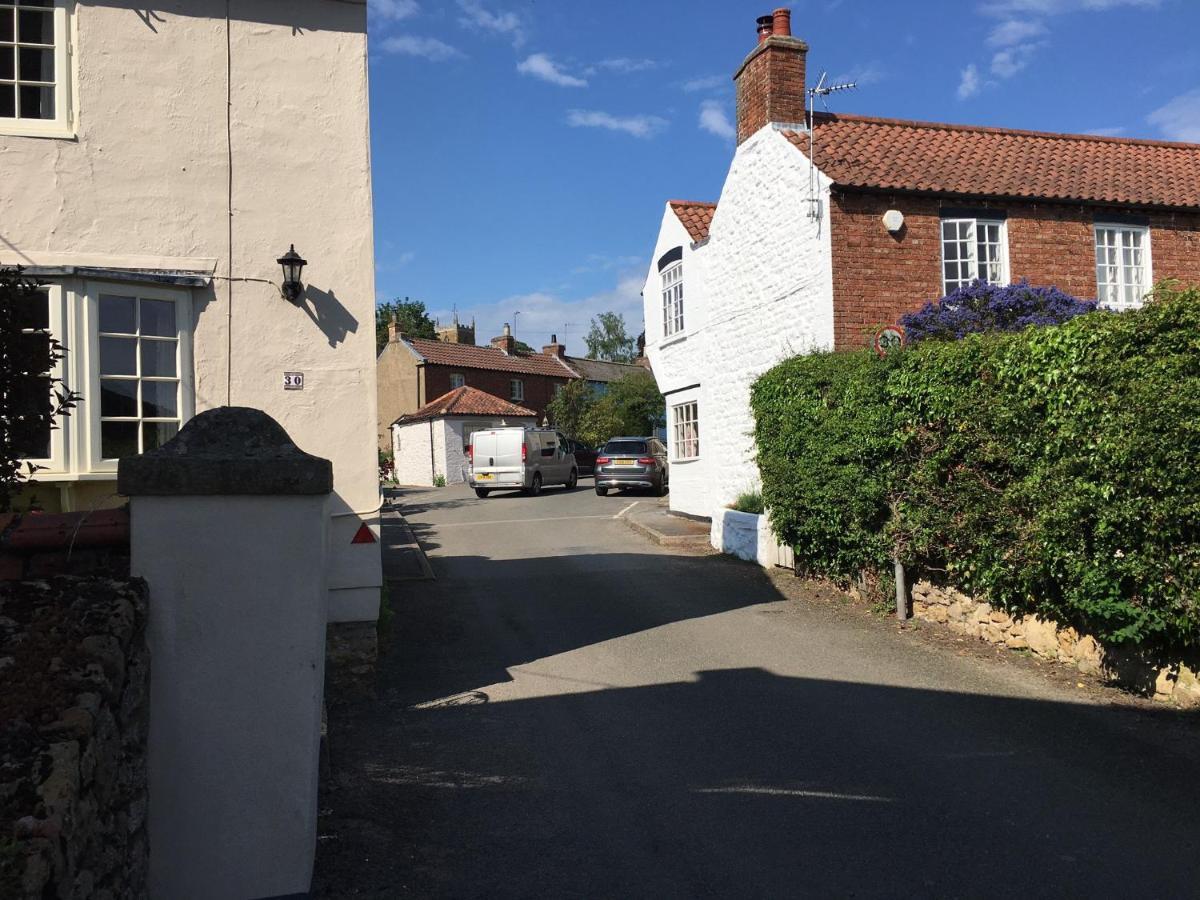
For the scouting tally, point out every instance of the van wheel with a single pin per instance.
(537, 484)
(601, 492)
(573, 480)
(482, 493)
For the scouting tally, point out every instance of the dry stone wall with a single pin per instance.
(1173, 681)
(73, 727)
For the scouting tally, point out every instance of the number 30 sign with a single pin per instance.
(293, 381)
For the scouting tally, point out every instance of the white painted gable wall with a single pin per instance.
(767, 296)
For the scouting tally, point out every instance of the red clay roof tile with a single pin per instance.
(891, 154)
(466, 401)
(469, 356)
(696, 216)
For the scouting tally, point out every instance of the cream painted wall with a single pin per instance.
(146, 180)
(767, 294)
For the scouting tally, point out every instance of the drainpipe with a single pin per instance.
(432, 462)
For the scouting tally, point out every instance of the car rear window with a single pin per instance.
(618, 448)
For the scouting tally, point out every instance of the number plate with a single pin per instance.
(485, 477)
(626, 462)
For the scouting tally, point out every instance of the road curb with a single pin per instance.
(689, 541)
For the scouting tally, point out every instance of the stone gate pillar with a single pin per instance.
(229, 531)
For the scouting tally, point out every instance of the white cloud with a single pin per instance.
(1115, 131)
(1008, 62)
(715, 120)
(625, 66)
(544, 313)
(1015, 31)
(638, 126)
(392, 10)
(505, 24)
(539, 65)
(1179, 118)
(1058, 7)
(968, 86)
(424, 47)
(861, 75)
(707, 83)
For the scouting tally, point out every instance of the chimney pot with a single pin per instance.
(507, 330)
(782, 22)
(766, 25)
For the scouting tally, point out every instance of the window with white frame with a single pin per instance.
(973, 248)
(138, 365)
(686, 426)
(34, 67)
(1123, 276)
(30, 396)
(516, 389)
(672, 298)
(457, 381)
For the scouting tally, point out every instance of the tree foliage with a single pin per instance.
(32, 399)
(410, 315)
(607, 339)
(631, 405)
(1051, 471)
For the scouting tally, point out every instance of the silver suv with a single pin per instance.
(633, 462)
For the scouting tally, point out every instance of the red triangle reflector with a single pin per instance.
(364, 535)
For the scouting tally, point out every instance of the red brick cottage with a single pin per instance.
(830, 225)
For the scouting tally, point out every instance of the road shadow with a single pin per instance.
(743, 783)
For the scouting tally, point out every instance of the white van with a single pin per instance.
(522, 459)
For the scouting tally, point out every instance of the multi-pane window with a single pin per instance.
(971, 249)
(516, 389)
(139, 368)
(686, 423)
(457, 381)
(33, 65)
(1122, 265)
(672, 298)
(29, 396)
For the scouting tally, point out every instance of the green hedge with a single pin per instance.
(1054, 471)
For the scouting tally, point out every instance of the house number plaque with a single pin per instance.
(293, 381)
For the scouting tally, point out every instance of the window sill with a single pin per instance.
(62, 477)
(58, 131)
(684, 462)
(672, 341)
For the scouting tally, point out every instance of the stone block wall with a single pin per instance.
(1176, 681)
(73, 728)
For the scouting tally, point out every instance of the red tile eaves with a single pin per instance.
(466, 401)
(961, 160)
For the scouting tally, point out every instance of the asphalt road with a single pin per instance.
(571, 711)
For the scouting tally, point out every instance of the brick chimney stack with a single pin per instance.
(554, 348)
(394, 332)
(506, 342)
(770, 82)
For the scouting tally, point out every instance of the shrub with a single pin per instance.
(749, 502)
(1051, 471)
(982, 307)
(439, 481)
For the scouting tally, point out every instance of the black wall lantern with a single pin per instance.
(293, 267)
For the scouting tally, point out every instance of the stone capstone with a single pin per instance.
(232, 450)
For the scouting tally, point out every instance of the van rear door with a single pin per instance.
(496, 457)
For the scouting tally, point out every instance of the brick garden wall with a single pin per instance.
(878, 277)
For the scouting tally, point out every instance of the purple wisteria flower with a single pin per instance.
(981, 306)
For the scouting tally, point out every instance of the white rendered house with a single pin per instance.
(156, 163)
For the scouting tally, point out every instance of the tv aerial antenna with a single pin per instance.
(821, 90)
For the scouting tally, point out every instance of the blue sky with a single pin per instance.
(522, 150)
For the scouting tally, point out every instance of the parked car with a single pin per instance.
(525, 459)
(633, 462)
(585, 457)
